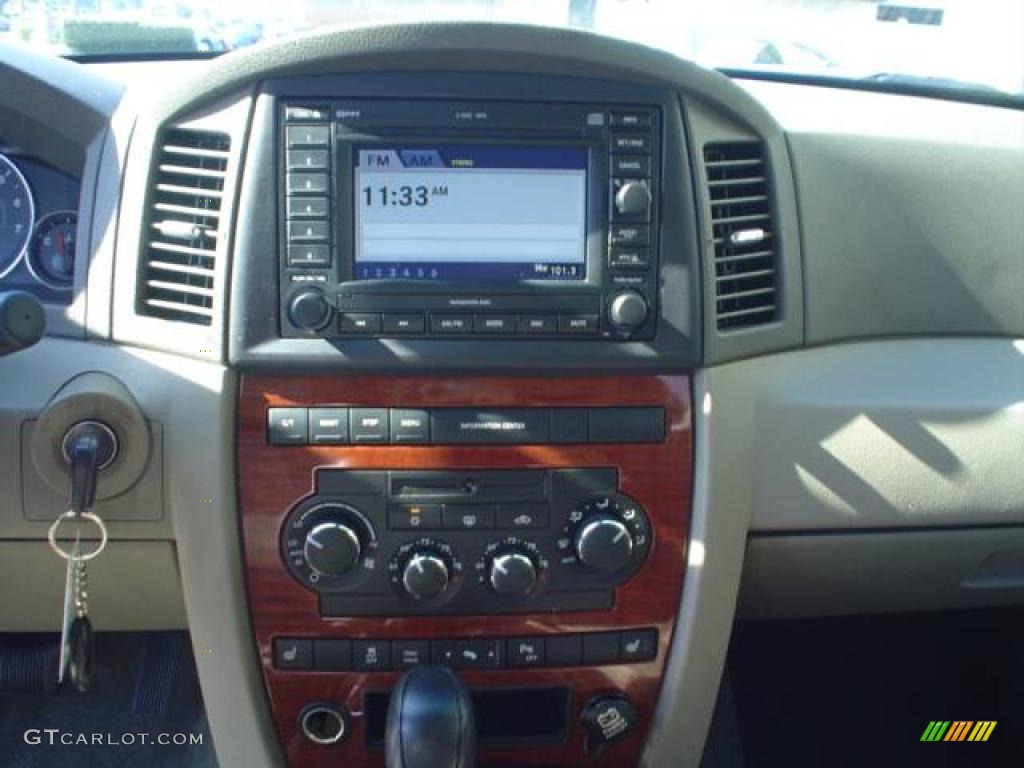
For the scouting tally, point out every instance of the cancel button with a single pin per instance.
(490, 426)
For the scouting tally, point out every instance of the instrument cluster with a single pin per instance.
(38, 228)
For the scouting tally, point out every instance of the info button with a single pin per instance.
(489, 427)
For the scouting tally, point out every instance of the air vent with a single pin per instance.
(741, 223)
(183, 226)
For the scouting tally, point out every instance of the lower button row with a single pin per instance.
(328, 655)
(371, 323)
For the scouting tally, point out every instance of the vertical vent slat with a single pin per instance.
(743, 232)
(183, 227)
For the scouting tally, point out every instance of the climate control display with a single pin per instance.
(397, 543)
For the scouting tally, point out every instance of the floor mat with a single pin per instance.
(862, 691)
(134, 704)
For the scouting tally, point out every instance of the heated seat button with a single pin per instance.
(293, 653)
(526, 651)
(638, 645)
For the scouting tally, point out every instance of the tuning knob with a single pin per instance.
(332, 548)
(632, 198)
(604, 542)
(627, 310)
(309, 310)
(425, 575)
(513, 573)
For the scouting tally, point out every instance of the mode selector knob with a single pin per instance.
(627, 310)
(633, 197)
(604, 542)
(425, 575)
(513, 573)
(309, 310)
(332, 548)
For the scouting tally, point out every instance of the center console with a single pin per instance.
(470, 303)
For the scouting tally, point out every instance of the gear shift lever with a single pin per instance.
(430, 721)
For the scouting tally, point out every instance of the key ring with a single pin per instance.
(69, 515)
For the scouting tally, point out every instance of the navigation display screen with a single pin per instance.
(470, 212)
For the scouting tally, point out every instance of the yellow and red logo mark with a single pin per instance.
(958, 730)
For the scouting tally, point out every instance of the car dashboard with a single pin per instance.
(529, 353)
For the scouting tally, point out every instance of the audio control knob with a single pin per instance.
(605, 543)
(332, 548)
(627, 310)
(513, 573)
(632, 198)
(309, 310)
(425, 575)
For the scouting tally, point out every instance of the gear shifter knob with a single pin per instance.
(430, 721)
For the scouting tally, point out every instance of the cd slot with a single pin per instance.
(494, 486)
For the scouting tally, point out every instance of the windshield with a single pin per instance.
(967, 45)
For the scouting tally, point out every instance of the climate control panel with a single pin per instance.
(394, 543)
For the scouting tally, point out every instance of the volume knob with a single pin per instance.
(628, 310)
(513, 573)
(425, 576)
(605, 543)
(309, 310)
(332, 548)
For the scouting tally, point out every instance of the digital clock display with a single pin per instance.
(469, 212)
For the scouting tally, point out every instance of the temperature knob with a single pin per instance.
(633, 198)
(332, 548)
(425, 575)
(513, 573)
(605, 543)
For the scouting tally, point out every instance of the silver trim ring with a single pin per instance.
(71, 515)
(32, 241)
(327, 710)
(4, 159)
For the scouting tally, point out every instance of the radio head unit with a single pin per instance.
(467, 219)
